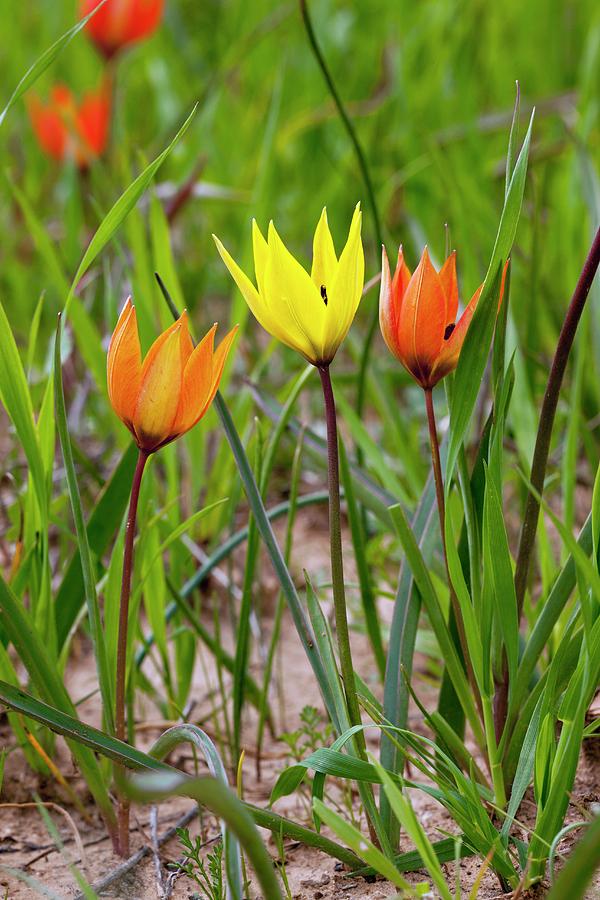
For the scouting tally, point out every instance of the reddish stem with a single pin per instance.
(120, 723)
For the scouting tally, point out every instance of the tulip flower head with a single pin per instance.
(120, 23)
(309, 313)
(164, 396)
(417, 316)
(66, 129)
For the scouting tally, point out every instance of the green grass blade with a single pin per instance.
(183, 734)
(151, 787)
(89, 583)
(474, 354)
(121, 209)
(436, 617)
(103, 523)
(46, 679)
(274, 551)
(363, 848)
(16, 399)
(406, 816)
(46, 59)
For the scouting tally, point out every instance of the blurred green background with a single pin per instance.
(430, 87)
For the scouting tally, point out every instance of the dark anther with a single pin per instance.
(449, 330)
(324, 293)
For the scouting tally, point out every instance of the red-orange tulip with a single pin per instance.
(67, 129)
(164, 396)
(121, 22)
(417, 316)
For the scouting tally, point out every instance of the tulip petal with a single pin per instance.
(450, 352)
(387, 312)
(294, 302)
(422, 320)
(346, 290)
(124, 363)
(255, 301)
(196, 384)
(219, 360)
(450, 285)
(160, 389)
(261, 255)
(325, 263)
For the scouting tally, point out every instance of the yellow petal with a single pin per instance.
(124, 362)
(346, 289)
(261, 253)
(324, 263)
(255, 301)
(295, 304)
(197, 384)
(160, 390)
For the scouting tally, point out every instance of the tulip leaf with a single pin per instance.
(132, 758)
(474, 354)
(184, 734)
(121, 209)
(85, 556)
(47, 681)
(270, 541)
(47, 58)
(16, 399)
(151, 787)
(436, 616)
(102, 524)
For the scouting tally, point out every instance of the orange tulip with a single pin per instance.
(121, 22)
(67, 129)
(164, 396)
(417, 316)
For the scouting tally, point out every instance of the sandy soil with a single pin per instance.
(26, 845)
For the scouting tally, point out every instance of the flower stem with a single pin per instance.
(337, 562)
(441, 505)
(120, 723)
(366, 177)
(542, 449)
(376, 831)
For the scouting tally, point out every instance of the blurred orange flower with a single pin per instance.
(417, 316)
(164, 396)
(67, 129)
(121, 22)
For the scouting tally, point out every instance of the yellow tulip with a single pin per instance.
(309, 313)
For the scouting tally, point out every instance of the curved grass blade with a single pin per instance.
(46, 679)
(473, 357)
(149, 787)
(121, 209)
(132, 758)
(85, 556)
(184, 734)
(47, 58)
(103, 523)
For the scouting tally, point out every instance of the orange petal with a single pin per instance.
(387, 317)
(400, 282)
(422, 320)
(219, 360)
(450, 285)
(160, 390)
(197, 383)
(93, 121)
(48, 127)
(124, 363)
(450, 353)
